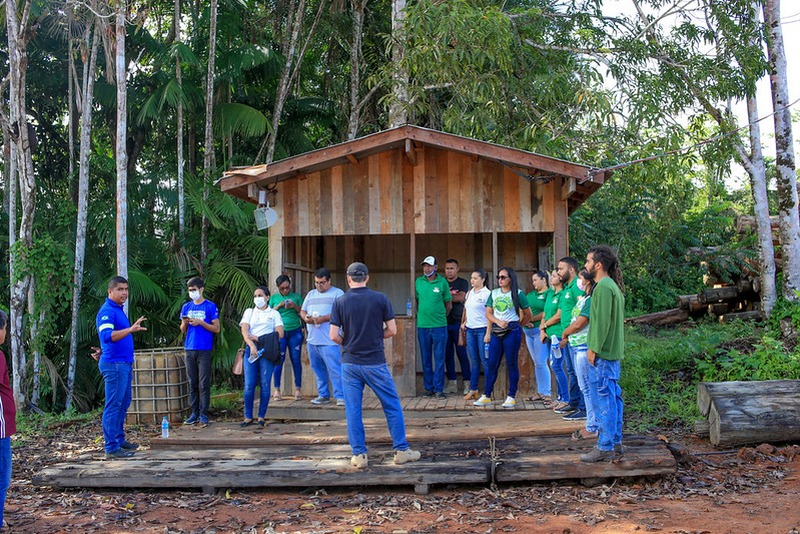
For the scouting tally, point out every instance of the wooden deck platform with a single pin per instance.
(459, 445)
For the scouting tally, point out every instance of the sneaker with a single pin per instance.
(321, 400)
(339, 402)
(565, 410)
(619, 450)
(467, 391)
(119, 453)
(452, 387)
(203, 420)
(428, 393)
(441, 395)
(596, 455)
(403, 457)
(359, 461)
(483, 401)
(191, 420)
(128, 446)
(575, 416)
(510, 403)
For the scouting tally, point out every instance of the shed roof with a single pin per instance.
(244, 182)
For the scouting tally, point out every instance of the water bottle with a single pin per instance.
(486, 352)
(554, 341)
(408, 307)
(164, 428)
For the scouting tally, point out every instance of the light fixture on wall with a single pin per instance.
(264, 215)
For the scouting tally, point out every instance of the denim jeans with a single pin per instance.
(540, 353)
(326, 361)
(379, 379)
(477, 356)
(575, 396)
(557, 365)
(431, 351)
(607, 399)
(293, 339)
(258, 374)
(449, 353)
(582, 370)
(508, 345)
(118, 377)
(198, 369)
(5, 472)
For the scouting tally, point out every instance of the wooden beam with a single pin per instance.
(561, 225)
(411, 152)
(568, 188)
(352, 159)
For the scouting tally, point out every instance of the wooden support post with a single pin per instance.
(495, 266)
(561, 226)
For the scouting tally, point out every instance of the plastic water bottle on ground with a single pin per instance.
(164, 428)
(556, 349)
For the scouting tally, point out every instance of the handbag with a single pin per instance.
(462, 338)
(238, 362)
(500, 332)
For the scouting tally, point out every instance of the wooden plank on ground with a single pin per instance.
(763, 388)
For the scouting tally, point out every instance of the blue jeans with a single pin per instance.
(557, 365)
(575, 395)
(118, 377)
(5, 472)
(294, 340)
(582, 370)
(461, 352)
(508, 344)
(198, 370)
(379, 379)
(540, 353)
(326, 361)
(431, 351)
(258, 374)
(477, 356)
(607, 400)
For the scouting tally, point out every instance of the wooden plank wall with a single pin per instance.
(445, 193)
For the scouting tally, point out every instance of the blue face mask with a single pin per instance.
(433, 273)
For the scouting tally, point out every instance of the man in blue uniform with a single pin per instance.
(116, 366)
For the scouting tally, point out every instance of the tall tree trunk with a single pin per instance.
(87, 99)
(355, 67)
(18, 64)
(784, 151)
(121, 141)
(70, 106)
(209, 161)
(398, 109)
(181, 205)
(33, 343)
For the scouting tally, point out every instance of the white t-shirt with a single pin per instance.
(475, 304)
(261, 321)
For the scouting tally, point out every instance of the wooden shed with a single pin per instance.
(391, 198)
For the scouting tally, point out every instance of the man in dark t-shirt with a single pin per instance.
(357, 324)
(458, 290)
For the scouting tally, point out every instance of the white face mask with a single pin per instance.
(260, 302)
(581, 285)
(194, 295)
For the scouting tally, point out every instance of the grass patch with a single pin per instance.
(660, 371)
(50, 424)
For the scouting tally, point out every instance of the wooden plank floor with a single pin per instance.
(458, 447)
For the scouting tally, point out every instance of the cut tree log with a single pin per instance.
(662, 318)
(718, 294)
(691, 303)
(747, 223)
(719, 308)
(753, 315)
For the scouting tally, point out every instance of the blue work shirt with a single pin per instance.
(197, 337)
(112, 317)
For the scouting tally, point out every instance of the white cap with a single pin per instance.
(430, 260)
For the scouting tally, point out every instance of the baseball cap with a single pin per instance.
(357, 269)
(430, 260)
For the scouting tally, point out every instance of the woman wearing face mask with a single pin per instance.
(288, 304)
(550, 330)
(473, 323)
(538, 349)
(506, 309)
(256, 322)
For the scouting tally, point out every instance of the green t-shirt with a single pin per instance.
(503, 305)
(552, 304)
(290, 318)
(537, 300)
(606, 334)
(431, 296)
(581, 309)
(568, 301)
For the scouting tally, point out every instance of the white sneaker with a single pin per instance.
(403, 457)
(510, 403)
(483, 401)
(359, 460)
(466, 389)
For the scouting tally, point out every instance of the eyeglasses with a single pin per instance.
(501, 277)
(322, 283)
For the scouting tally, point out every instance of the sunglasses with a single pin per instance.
(501, 277)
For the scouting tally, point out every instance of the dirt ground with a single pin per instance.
(750, 490)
